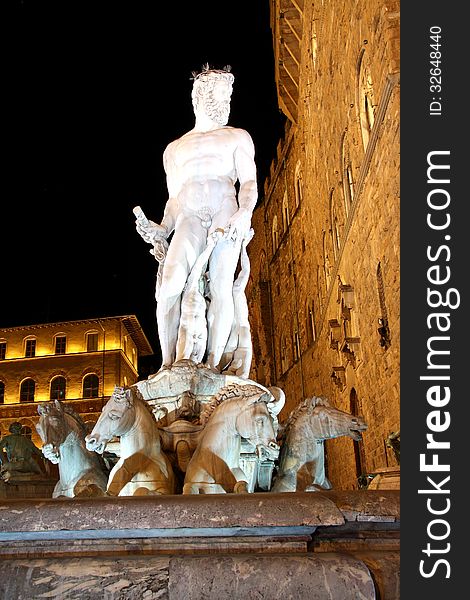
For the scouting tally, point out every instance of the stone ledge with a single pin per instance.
(217, 512)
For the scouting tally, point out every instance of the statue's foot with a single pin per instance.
(211, 368)
(314, 488)
(160, 370)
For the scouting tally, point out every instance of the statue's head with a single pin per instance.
(15, 428)
(212, 90)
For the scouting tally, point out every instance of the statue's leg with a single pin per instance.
(118, 478)
(241, 484)
(222, 265)
(187, 243)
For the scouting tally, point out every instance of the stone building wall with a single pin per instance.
(325, 257)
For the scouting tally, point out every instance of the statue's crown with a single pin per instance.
(208, 71)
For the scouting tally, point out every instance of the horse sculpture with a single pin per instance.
(238, 411)
(81, 473)
(302, 459)
(142, 468)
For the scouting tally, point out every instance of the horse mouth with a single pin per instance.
(268, 451)
(356, 434)
(94, 446)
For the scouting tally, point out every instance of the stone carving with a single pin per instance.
(192, 331)
(302, 459)
(142, 468)
(239, 349)
(237, 411)
(181, 439)
(393, 441)
(20, 452)
(202, 168)
(81, 473)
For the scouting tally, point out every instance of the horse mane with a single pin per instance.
(233, 391)
(71, 412)
(49, 408)
(120, 392)
(305, 408)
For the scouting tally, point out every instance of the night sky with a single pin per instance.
(94, 92)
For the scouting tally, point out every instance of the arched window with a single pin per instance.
(275, 234)
(310, 322)
(285, 212)
(2, 392)
(365, 99)
(335, 224)
(383, 329)
(314, 46)
(263, 268)
(296, 345)
(91, 384)
(298, 186)
(57, 390)
(27, 389)
(125, 345)
(283, 354)
(359, 454)
(326, 262)
(3, 349)
(347, 175)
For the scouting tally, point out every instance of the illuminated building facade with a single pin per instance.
(78, 362)
(324, 293)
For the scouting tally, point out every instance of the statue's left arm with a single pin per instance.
(245, 166)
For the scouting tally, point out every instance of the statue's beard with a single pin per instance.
(217, 111)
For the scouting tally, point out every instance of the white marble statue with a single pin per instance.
(236, 412)
(202, 168)
(238, 352)
(302, 456)
(142, 467)
(63, 431)
(192, 331)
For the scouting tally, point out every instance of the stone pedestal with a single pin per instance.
(263, 545)
(27, 487)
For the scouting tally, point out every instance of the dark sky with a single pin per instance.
(94, 92)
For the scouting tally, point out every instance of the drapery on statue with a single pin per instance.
(20, 452)
(202, 168)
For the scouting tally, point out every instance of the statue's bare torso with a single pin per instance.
(201, 171)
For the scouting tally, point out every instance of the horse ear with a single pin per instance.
(41, 409)
(59, 406)
(275, 406)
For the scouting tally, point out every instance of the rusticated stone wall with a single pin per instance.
(324, 293)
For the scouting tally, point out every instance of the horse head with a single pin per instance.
(328, 422)
(116, 418)
(255, 423)
(53, 428)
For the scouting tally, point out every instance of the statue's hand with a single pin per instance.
(150, 231)
(239, 225)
